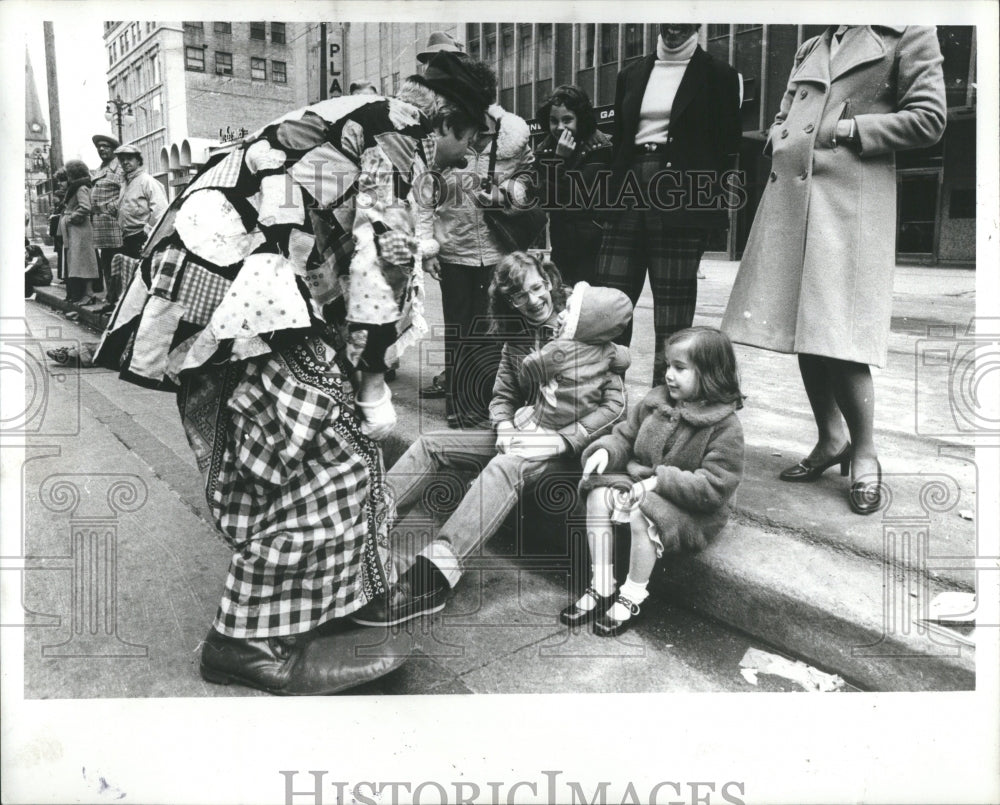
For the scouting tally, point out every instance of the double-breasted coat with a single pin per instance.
(816, 275)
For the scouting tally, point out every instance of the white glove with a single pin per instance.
(505, 435)
(596, 462)
(379, 416)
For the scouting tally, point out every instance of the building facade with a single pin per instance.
(936, 197)
(196, 84)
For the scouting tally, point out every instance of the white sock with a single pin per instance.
(634, 592)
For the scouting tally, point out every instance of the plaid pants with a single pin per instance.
(295, 488)
(637, 240)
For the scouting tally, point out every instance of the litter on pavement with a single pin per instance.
(756, 662)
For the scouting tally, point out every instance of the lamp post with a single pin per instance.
(118, 110)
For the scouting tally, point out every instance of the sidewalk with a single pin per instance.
(795, 568)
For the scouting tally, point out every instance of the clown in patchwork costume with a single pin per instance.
(270, 297)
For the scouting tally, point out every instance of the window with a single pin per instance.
(222, 27)
(150, 26)
(609, 44)
(194, 59)
(587, 35)
(136, 32)
(156, 111)
(490, 49)
(258, 69)
(140, 77)
(258, 30)
(525, 54)
(278, 33)
(506, 58)
(223, 63)
(279, 74)
(545, 51)
(154, 68)
(111, 54)
(194, 26)
(633, 40)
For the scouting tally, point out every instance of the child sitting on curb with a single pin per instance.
(674, 464)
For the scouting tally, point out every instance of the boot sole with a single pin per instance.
(362, 621)
(220, 678)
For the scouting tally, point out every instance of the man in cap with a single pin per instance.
(107, 185)
(140, 201)
(439, 42)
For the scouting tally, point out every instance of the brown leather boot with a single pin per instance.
(315, 664)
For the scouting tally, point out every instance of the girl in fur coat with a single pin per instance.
(669, 471)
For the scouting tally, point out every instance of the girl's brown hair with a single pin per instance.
(714, 361)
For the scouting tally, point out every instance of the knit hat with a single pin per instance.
(104, 139)
(595, 314)
(448, 75)
(437, 42)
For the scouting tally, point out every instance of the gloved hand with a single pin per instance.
(379, 416)
(596, 462)
(505, 435)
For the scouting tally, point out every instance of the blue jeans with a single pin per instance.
(428, 471)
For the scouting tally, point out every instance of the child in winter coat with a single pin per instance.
(570, 371)
(670, 471)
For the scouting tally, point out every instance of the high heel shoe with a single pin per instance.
(573, 615)
(806, 471)
(865, 497)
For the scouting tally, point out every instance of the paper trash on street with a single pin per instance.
(756, 662)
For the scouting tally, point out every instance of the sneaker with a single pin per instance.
(421, 590)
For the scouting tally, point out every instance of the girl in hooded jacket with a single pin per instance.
(670, 471)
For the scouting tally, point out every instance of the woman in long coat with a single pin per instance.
(80, 259)
(816, 276)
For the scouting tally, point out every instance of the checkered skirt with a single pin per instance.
(295, 488)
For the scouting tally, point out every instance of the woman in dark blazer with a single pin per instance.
(677, 123)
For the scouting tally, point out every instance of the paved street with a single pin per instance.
(500, 632)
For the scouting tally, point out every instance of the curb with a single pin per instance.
(845, 610)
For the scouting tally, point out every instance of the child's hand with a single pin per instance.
(597, 462)
(641, 488)
(565, 145)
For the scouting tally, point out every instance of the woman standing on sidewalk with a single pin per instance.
(79, 256)
(816, 275)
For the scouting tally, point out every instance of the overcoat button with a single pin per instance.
(809, 129)
(803, 93)
(774, 176)
(669, 164)
(784, 133)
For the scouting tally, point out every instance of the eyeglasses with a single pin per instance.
(521, 298)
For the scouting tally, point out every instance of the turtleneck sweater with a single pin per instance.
(668, 70)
